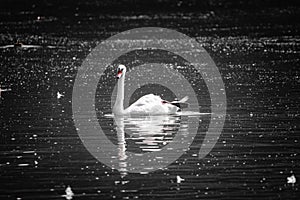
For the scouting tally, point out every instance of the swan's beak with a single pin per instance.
(119, 74)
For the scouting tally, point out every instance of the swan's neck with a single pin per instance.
(119, 107)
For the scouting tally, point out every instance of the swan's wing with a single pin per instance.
(151, 104)
(148, 99)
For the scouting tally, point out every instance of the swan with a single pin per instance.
(149, 104)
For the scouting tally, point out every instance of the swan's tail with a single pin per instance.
(181, 102)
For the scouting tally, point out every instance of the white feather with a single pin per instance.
(151, 104)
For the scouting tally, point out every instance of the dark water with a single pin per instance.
(256, 48)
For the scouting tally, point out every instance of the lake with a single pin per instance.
(256, 49)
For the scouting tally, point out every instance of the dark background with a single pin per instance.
(255, 45)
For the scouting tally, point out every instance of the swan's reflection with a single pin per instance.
(119, 121)
(150, 133)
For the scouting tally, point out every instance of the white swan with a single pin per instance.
(149, 104)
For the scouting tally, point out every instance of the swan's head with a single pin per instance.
(121, 71)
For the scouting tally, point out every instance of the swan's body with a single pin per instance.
(149, 104)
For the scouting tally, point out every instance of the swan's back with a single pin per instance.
(151, 104)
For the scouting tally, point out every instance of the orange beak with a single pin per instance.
(119, 74)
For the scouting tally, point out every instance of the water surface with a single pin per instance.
(256, 48)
